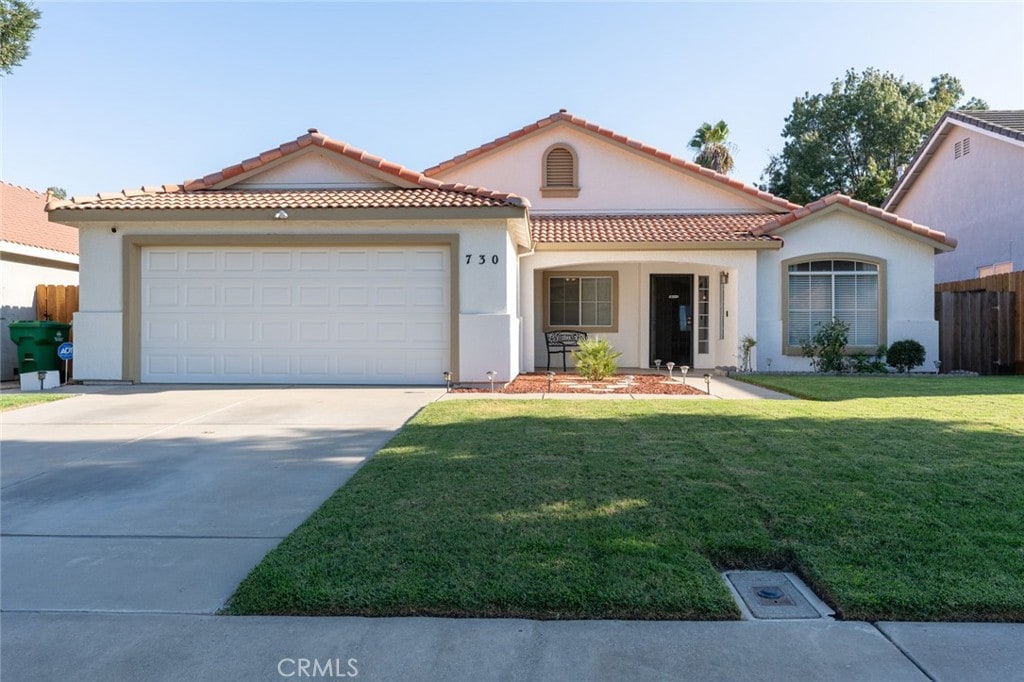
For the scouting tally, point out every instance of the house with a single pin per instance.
(33, 251)
(968, 180)
(316, 262)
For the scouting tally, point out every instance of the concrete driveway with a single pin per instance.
(161, 499)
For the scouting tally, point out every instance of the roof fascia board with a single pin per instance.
(75, 217)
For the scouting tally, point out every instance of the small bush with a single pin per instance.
(905, 355)
(871, 364)
(827, 348)
(595, 359)
(747, 344)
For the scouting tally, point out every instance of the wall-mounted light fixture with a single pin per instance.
(723, 277)
(281, 214)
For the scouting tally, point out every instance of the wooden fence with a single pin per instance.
(981, 324)
(57, 302)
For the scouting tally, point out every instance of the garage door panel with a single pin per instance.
(266, 315)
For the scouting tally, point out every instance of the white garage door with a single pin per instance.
(332, 315)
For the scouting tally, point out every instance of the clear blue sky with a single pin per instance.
(119, 95)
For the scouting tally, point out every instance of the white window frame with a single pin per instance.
(790, 349)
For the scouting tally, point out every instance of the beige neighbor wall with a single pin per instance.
(977, 199)
(486, 312)
(909, 299)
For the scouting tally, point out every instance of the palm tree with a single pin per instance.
(714, 151)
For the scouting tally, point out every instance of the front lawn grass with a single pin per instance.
(12, 401)
(891, 508)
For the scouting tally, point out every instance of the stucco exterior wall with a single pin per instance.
(610, 177)
(909, 298)
(486, 311)
(634, 270)
(977, 199)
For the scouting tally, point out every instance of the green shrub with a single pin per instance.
(827, 348)
(747, 344)
(905, 355)
(596, 358)
(871, 364)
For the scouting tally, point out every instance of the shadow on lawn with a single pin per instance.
(577, 511)
(831, 388)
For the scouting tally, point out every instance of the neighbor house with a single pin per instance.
(968, 180)
(33, 251)
(315, 262)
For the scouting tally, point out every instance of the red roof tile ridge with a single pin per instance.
(563, 115)
(857, 205)
(313, 137)
(25, 189)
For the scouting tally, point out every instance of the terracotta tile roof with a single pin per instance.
(23, 221)
(218, 184)
(644, 228)
(565, 116)
(873, 211)
(1007, 123)
(178, 198)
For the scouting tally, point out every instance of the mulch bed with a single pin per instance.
(643, 384)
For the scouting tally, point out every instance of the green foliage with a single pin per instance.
(854, 137)
(905, 355)
(747, 344)
(595, 358)
(57, 192)
(713, 149)
(827, 348)
(18, 21)
(870, 364)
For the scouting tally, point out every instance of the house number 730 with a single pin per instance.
(482, 259)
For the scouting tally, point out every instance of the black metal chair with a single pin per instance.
(562, 342)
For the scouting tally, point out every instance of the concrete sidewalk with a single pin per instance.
(104, 646)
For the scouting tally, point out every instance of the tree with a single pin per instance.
(18, 20)
(57, 192)
(853, 138)
(714, 151)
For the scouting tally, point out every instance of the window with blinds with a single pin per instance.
(560, 172)
(580, 301)
(821, 290)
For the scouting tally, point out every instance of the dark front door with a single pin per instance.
(672, 319)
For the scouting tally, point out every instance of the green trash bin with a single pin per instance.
(37, 342)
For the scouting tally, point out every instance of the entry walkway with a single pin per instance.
(721, 388)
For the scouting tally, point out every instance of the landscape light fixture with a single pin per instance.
(657, 365)
(448, 381)
(768, 361)
(707, 383)
(629, 383)
(551, 377)
(490, 377)
(670, 365)
(684, 369)
(281, 214)
(41, 375)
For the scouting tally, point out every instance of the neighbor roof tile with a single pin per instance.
(23, 221)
